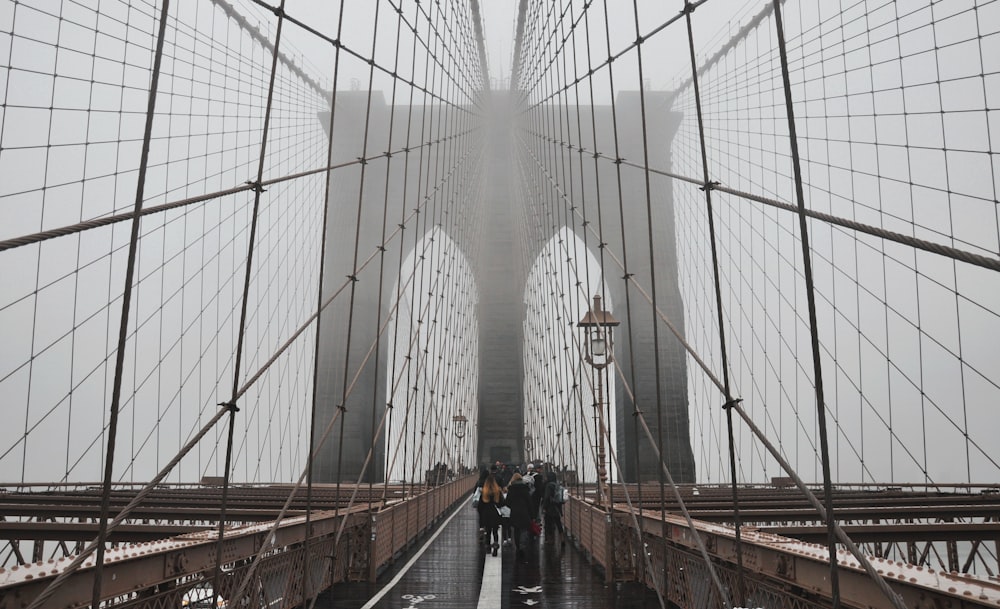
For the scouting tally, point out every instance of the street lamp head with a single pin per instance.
(598, 346)
(460, 423)
(597, 317)
(598, 325)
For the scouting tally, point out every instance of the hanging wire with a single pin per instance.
(813, 324)
(109, 459)
(319, 298)
(724, 357)
(563, 201)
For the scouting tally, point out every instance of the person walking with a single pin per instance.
(503, 474)
(552, 505)
(538, 492)
(490, 502)
(477, 493)
(519, 502)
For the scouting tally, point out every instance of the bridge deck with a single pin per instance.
(450, 570)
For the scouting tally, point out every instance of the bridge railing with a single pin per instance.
(779, 572)
(352, 544)
(399, 524)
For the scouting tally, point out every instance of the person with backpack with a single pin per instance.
(552, 504)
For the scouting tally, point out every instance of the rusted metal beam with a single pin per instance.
(146, 569)
(853, 513)
(798, 568)
(176, 513)
(85, 531)
(895, 533)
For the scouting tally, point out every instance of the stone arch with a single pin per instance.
(635, 350)
(385, 188)
(501, 285)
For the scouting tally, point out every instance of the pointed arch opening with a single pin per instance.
(432, 379)
(565, 419)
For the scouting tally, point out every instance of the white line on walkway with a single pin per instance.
(463, 505)
(489, 594)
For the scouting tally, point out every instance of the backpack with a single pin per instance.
(559, 493)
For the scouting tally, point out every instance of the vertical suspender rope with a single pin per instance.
(133, 247)
(327, 182)
(577, 297)
(241, 337)
(811, 301)
(554, 213)
(571, 202)
(248, 576)
(597, 178)
(570, 273)
(378, 307)
(640, 544)
(712, 237)
(431, 220)
(342, 406)
(381, 267)
(653, 289)
(399, 285)
(627, 279)
(434, 304)
(428, 262)
(416, 288)
(420, 226)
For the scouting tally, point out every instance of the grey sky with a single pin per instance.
(898, 129)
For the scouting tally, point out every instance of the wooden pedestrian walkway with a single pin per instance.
(450, 570)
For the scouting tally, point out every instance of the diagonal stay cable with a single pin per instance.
(841, 535)
(922, 244)
(381, 424)
(245, 301)
(338, 43)
(615, 56)
(305, 324)
(108, 220)
(124, 513)
(719, 306)
(269, 538)
(74, 566)
(733, 402)
(327, 182)
(611, 450)
(116, 391)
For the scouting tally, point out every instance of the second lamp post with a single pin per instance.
(598, 326)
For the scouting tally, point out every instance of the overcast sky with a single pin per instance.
(898, 131)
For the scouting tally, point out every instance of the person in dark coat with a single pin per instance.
(503, 474)
(490, 502)
(519, 502)
(552, 506)
(483, 473)
(538, 493)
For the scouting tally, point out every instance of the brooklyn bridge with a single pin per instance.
(280, 278)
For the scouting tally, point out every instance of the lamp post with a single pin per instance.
(598, 326)
(459, 423)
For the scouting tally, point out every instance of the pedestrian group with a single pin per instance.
(513, 502)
